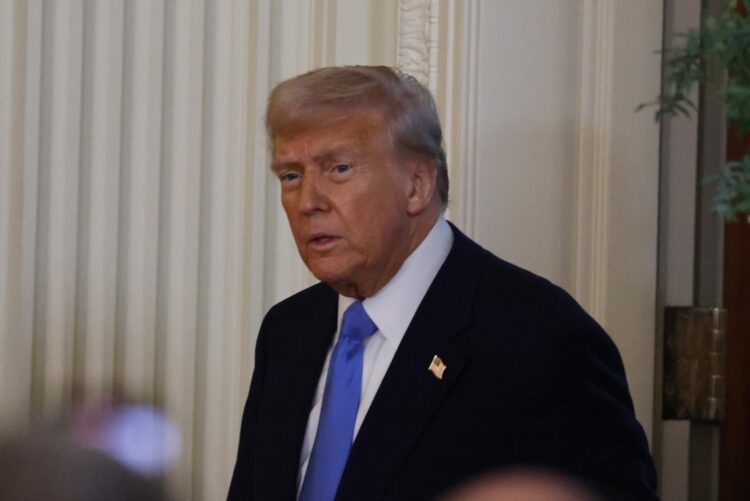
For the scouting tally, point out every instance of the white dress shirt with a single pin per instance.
(392, 310)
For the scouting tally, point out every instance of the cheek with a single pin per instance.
(379, 228)
(378, 203)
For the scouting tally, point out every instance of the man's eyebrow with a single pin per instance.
(327, 155)
(278, 166)
(336, 152)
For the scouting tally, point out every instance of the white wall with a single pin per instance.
(141, 239)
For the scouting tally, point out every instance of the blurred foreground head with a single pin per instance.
(52, 467)
(522, 485)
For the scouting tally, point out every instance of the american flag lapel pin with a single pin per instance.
(437, 367)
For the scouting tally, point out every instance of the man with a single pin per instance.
(420, 360)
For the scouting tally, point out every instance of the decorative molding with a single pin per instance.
(418, 40)
(433, 38)
(594, 160)
(464, 174)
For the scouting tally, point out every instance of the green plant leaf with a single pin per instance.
(721, 41)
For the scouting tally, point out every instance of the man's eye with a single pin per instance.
(341, 168)
(289, 176)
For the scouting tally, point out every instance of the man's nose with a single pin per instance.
(313, 196)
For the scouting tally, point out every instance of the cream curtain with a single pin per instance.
(133, 196)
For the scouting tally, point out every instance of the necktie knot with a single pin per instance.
(357, 324)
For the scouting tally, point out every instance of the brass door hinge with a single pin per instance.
(694, 363)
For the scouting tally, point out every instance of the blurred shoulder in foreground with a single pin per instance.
(53, 466)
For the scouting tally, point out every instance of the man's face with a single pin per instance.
(345, 196)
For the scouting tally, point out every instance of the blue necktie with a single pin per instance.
(339, 410)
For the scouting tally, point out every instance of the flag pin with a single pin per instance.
(437, 367)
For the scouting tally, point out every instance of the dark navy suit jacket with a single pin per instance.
(531, 380)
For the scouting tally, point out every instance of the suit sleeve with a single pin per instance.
(241, 484)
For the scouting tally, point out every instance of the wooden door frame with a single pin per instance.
(734, 462)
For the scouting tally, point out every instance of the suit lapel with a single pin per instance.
(409, 393)
(287, 407)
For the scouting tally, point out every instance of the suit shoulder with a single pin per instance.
(516, 285)
(537, 315)
(304, 300)
(503, 288)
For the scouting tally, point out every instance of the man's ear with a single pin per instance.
(423, 179)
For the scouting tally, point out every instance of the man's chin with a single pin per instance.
(328, 276)
(340, 282)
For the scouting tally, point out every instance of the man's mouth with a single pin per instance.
(322, 241)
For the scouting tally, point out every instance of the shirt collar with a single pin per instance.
(394, 306)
